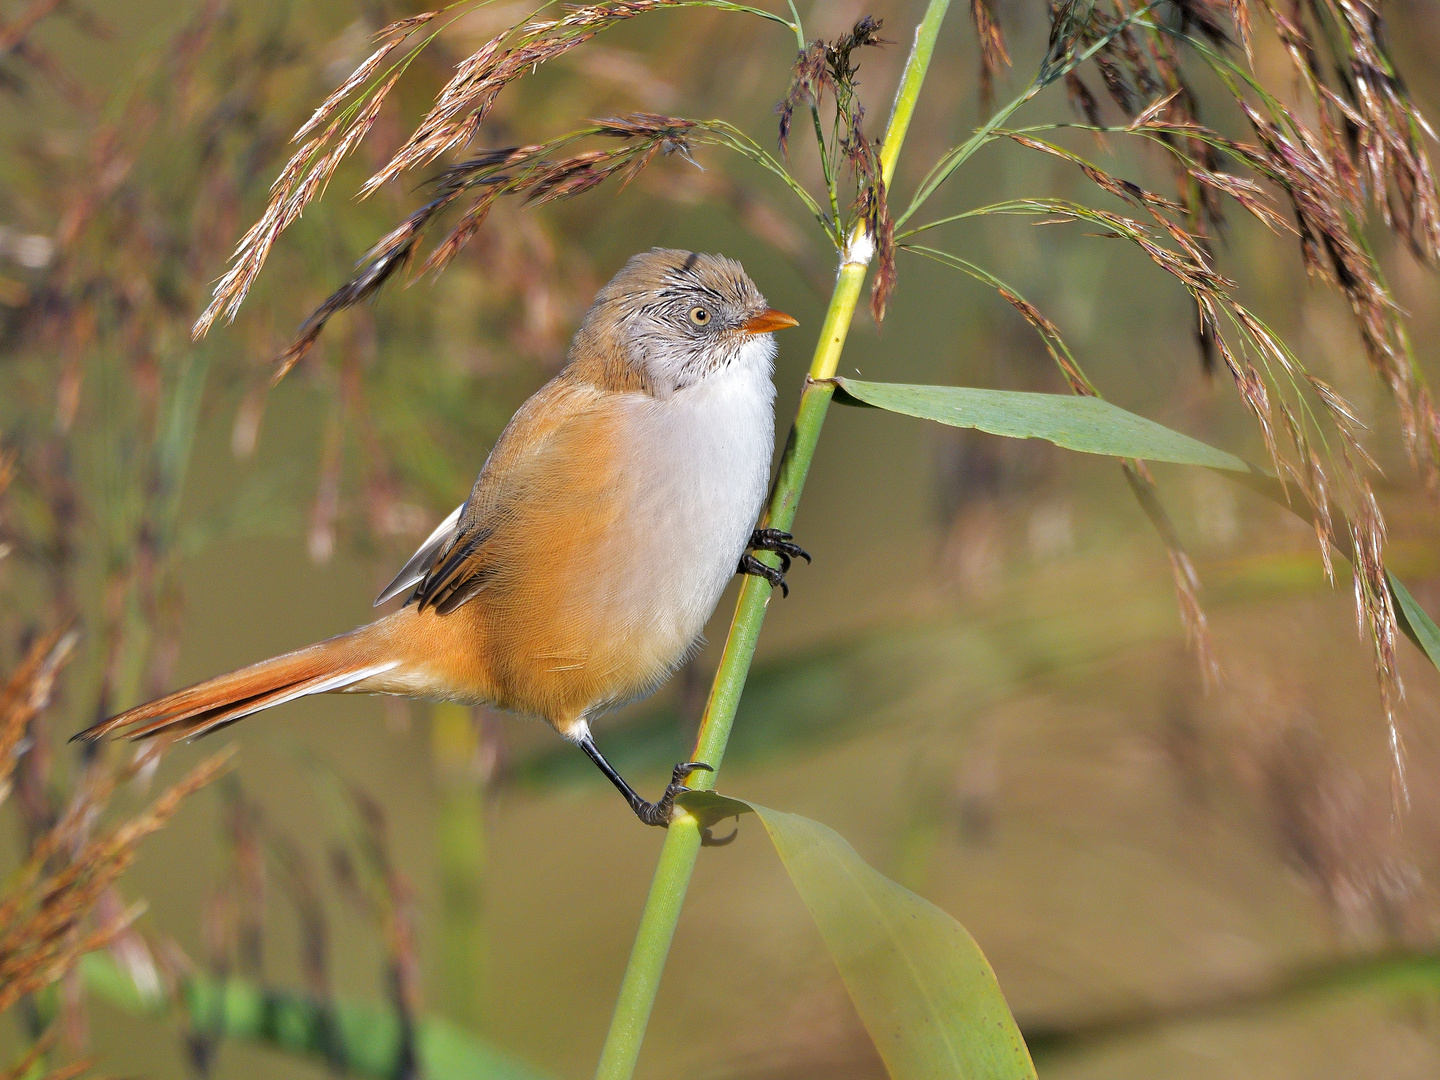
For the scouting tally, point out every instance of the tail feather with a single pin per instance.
(200, 709)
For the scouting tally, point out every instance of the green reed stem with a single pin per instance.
(641, 983)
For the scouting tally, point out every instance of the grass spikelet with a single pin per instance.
(390, 39)
(1082, 100)
(376, 267)
(1122, 189)
(1205, 16)
(304, 177)
(1240, 17)
(1319, 491)
(42, 920)
(1375, 619)
(1152, 112)
(1054, 344)
(1324, 206)
(1252, 391)
(1182, 569)
(464, 102)
(882, 230)
(808, 78)
(531, 173)
(27, 694)
(458, 111)
(993, 53)
(467, 97)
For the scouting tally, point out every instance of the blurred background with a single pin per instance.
(981, 682)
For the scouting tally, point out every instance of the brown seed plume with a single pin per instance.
(530, 172)
(1363, 148)
(42, 918)
(993, 53)
(451, 123)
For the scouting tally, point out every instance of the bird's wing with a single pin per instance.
(539, 489)
(419, 564)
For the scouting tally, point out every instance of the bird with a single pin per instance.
(595, 543)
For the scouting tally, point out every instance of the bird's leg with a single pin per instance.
(658, 812)
(780, 542)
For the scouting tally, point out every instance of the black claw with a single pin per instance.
(754, 567)
(779, 541)
(782, 544)
(659, 812)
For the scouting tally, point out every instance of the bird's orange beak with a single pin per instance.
(768, 320)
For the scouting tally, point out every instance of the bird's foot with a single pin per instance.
(753, 566)
(660, 811)
(780, 542)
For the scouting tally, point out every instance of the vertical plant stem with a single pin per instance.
(461, 849)
(641, 983)
(174, 451)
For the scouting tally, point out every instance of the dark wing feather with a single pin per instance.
(454, 579)
(529, 454)
(419, 564)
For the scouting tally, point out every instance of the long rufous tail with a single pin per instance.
(336, 664)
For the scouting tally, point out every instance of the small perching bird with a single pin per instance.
(596, 541)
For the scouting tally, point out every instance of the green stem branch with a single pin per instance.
(641, 983)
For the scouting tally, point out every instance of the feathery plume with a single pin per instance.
(452, 122)
(993, 53)
(529, 172)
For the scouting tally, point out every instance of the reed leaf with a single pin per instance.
(1089, 425)
(1094, 426)
(1417, 625)
(923, 989)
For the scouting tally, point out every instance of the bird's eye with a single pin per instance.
(699, 316)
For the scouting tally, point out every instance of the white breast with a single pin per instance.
(700, 466)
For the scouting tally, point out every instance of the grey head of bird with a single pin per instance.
(670, 319)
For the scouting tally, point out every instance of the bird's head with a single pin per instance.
(670, 319)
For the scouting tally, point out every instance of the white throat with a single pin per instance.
(673, 367)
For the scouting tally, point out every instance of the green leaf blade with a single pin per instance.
(921, 985)
(1088, 425)
(1420, 628)
(1094, 426)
